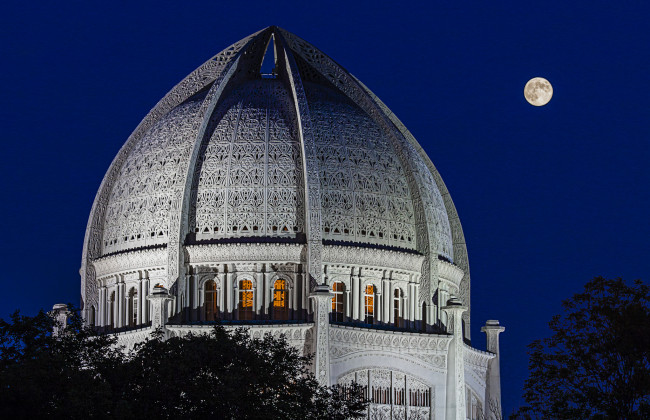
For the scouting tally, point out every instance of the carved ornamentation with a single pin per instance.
(370, 257)
(132, 260)
(244, 252)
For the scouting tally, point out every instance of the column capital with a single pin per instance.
(492, 329)
(159, 298)
(60, 315)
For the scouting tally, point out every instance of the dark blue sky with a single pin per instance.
(548, 197)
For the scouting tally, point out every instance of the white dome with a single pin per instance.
(307, 155)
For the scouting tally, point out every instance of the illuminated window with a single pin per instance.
(133, 307)
(369, 304)
(246, 300)
(280, 300)
(338, 308)
(397, 307)
(210, 301)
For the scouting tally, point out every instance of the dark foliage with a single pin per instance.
(596, 365)
(225, 374)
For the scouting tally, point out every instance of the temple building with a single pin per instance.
(292, 201)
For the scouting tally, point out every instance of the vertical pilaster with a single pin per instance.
(145, 303)
(102, 307)
(229, 291)
(388, 302)
(322, 301)
(492, 406)
(455, 362)
(356, 295)
(139, 297)
(120, 304)
(195, 296)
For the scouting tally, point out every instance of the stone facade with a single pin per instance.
(294, 203)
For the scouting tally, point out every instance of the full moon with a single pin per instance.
(538, 91)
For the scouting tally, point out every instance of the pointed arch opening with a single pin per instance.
(132, 307)
(210, 307)
(369, 304)
(245, 309)
(280, 300)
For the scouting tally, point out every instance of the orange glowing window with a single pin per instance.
(280, 300)
(280, 294)
(369, 303)
(338, 307)
(246, 299)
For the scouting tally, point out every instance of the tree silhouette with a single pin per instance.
(223, 374)
(596, 364)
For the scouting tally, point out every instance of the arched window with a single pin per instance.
(111, 310)
(280, 300)
(210, 301)
(245, 300)
(338, 306)
(369, 304)
(132, 307)
(91, 316)
(397, 307)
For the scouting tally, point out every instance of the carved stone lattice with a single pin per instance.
(249, 174)
(365, 193)
(139, 204)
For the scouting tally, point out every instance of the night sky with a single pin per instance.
(549, 197)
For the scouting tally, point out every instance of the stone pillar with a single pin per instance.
(492, 406)
(356, 296)
(455, 361)
(322, 301)
(195, 296)
(101, 313)
(378, 309)
(388, 302)
(120, 301)
(140, 308)
(159, 307)
(60, 314)
(143, 300)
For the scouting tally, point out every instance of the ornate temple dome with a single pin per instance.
(303, 155)
(294, 202)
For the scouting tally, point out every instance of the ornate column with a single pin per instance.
(145, 293)
(388, 302)
(378, 309)
(120, 305)
(356, 295)
(322, 299)
(101, 313)
(492, 406)
(60, 314)
(455, 361)
(159, 308)
(195, 296)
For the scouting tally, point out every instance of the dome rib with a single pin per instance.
(418, 180)
(313, 220)
(179, 215)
